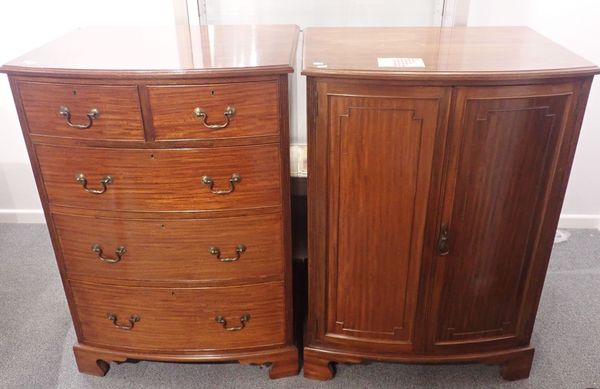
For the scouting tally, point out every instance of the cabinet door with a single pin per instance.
(381, 149)
(503, 156)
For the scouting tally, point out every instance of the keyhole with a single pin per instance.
(212, 93)
(152, 156)
(74, 92)
(162, 226)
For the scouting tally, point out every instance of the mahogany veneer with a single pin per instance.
(434, 192)
(162, 161)
(185, 242)
(167, 180)
(255, 104)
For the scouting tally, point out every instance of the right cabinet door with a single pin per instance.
(502, 155)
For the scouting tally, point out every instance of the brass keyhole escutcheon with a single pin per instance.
(443, 246)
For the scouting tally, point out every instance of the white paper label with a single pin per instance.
(400, 62)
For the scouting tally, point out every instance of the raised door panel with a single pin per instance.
(503, 148)
(380, 162)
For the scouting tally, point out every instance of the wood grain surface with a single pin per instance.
(255, 104)
(502, 155)
(173, 250)
(162, 180)
(162, 213)
(377, 198)
(448, 54)
(382, 184)
(120, 113)
(181, 318)
(173, 52)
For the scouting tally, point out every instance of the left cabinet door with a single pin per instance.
(381, 152)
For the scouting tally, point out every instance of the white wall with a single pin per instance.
(25, 25)
(575, 24)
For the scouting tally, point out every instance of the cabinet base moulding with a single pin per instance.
(515, 364)
(96, 361)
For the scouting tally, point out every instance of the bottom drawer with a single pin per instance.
(215, 318)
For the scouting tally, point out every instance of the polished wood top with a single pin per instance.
(171, 51)
(446, 53)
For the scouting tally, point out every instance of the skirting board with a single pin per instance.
(37, 216)
(22, 216)
(579, 221)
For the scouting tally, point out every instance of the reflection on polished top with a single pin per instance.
(437, 53)
(182, 50)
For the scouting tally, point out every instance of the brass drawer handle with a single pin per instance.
(119, 252)
(234, 179)
(239, 249)
(91, 115)
(243, 319)
(443, 246)
(132, 320)
(80, 178)
(202, 115)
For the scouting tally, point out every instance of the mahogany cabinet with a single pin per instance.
(438, 163)
(162, 160)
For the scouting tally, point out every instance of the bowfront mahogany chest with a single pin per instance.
(438, 163)
(161, 158)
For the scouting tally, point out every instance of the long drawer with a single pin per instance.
(212, 249)
(180, 318)
(161, 179)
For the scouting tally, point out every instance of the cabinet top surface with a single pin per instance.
(143, 51)
(433, 52)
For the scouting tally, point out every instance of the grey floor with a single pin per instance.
(36, 334)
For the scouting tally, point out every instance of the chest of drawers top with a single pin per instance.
(175, 52)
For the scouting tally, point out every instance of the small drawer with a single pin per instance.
(161, 179)
(104, 112)
(244, 109)
(212, 250)
(144, 318)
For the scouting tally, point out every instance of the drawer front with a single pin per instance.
(118, 114)
(254, 104)
(161, 179)
(216, 249)
(181, 318)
